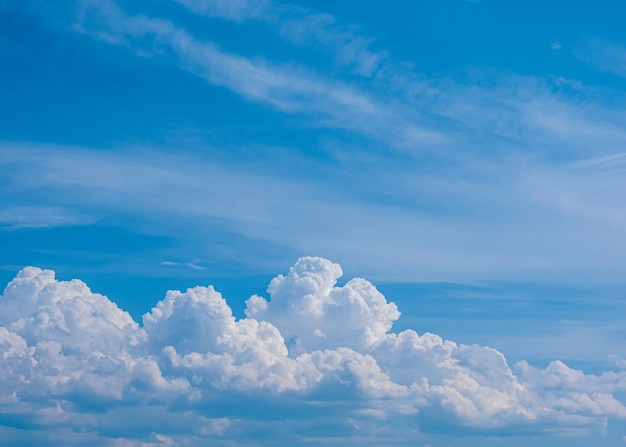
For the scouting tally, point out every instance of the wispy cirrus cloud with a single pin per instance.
(483, 181)
(403, 109)
(13, 218)
(194, 265)
(286, 88)
(302, 26)
(604, 55)
(533, 219)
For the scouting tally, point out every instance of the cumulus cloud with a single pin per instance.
(76, 366)
(314, 314)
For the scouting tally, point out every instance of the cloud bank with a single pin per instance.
(312, 357)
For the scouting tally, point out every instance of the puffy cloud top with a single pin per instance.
(191, 321)
(37, 307)
(314, 314)
(73, 362)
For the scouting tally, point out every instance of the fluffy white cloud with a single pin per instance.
(73, 362)
(313, 314)
(39, 308)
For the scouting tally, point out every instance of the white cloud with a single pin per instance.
(68, 353)
(194, 265)
(496, 199)
(502, 221)
(287, 88)
(72, 358)
(301, 26)
(314, 314)
(351, 49)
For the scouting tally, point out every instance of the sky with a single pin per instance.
(242, 223)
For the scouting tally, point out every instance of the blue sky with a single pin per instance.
(465, 157)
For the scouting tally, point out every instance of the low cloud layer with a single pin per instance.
(310, 361)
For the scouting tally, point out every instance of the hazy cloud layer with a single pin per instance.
(469, 177)
(79, 368)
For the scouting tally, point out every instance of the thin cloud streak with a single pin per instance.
(604, 56)
(423, 117)
(192, 265)
(301, 27)
(287, 89)
(20, 217)
(537, 223)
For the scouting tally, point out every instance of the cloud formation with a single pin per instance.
(284, 88)
(300, 26)
(479, 184)
(78, 368)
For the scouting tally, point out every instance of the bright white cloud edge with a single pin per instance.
(78, 368)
